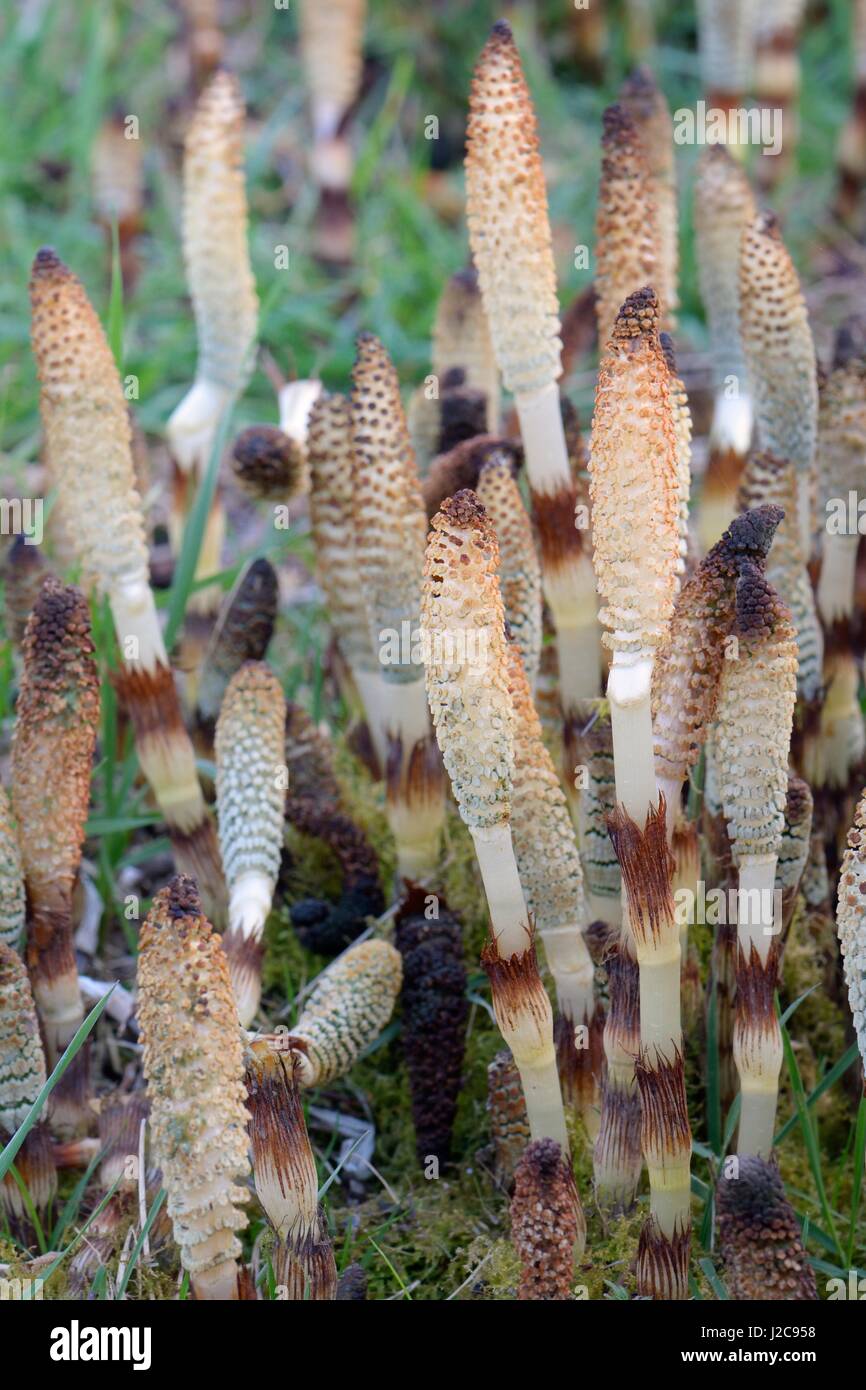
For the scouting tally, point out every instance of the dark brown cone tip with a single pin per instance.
(60, 617)
(180, 899)
(767, 224)
(616, 126)
(544, 1158)
(264, 447)
(501, 33)
(640, 83)
(47, 264)
(369, 347)
(752, 532)
(461, 466)
(638, 315)
(465, 510)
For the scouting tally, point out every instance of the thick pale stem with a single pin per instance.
(370, 687)
(405, 712)
(540, 1081)
(61, 1010)
(758, 1104)
(570, 964)
(757, 1042)
(835, 592)
(415, 807)
(603, 909)
(731, 427)
(205, 602)
(628, 690)
(250, 903)
(193, 425)
(660, 998)
(219, 1284)
(136, 623)
(169, 767)
(756, 918)
(295, 401)
(670, 1196)
(508, 912)
(671, 789)
(544, 439)
(578, 651)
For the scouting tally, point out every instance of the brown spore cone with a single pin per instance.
(759, 1236)
(435, 1010)
(545, 1222)
(323, 926)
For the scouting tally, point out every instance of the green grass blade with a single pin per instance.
(714, 1088)
(832, 1076)
(712, 1278)
(731, 1125)
(809, 1138)
(73, 1202)
(370, 155)
(193, 533)
(7, 1157)
(141, 1238)
(857, 1187)
(399, 1279)
(32, 1214)
(115, 302)
(73, 1244)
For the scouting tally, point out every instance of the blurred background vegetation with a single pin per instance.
(64, 69)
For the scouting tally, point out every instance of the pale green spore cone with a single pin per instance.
(12, 903)
(22, 1060)
(251, 777)
(347, 1010)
